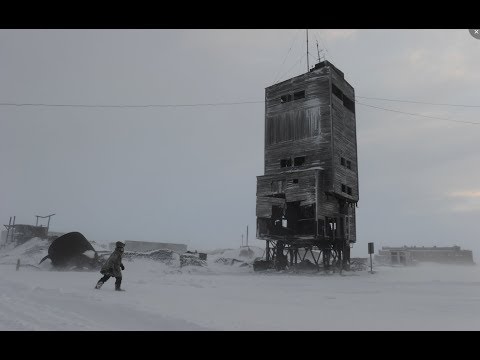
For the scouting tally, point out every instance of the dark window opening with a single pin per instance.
(349, 164)
(349, 190)
(321, 227)
(278, 186)
(298, 161)
(300, 219)
(285, 162)
(307, 212)
(349, 104)
(286, 98)
(344, 187)
(306, 227)
(277, 212)
(342, 161)
(337, 92)
(299, 95)
(295, 181)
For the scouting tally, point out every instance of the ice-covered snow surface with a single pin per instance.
(221, 296)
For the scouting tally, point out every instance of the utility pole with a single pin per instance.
(8, 230)
(371, 251)
(247, 235)
(318, 51)
(12, 235)
(340, 248)
(308, 63)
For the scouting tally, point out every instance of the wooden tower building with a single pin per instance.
(307, 198)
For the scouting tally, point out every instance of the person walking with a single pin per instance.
(113, 267)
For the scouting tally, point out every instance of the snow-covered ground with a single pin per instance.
(233, 297)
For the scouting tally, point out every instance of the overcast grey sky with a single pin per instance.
(188, 174)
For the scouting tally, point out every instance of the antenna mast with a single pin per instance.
(308, 65)
(318, 52)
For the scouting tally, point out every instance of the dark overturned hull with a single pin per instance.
(72, 250)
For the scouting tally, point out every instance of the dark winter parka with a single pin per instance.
(113, 266)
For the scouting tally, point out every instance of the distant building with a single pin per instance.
(411, 255)
(144, 246)
(21, 233)
(3, 237)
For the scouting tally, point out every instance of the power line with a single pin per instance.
(312, 57)
(417, 102)
(295, 38)
(288, 71)
(426, 116)
(208, 104)
(131, 106)
(227, 104)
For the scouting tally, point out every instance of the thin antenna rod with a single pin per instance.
(318, 51)
(308, 64)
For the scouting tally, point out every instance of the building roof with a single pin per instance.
(423, 248)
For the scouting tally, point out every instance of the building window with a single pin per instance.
(299, 95)
(295, 181)
(337, 92)
(299, 161)
(346, 163)
(307, 211)
(349, 190)
(286, 98)
(349, 104)
(289, 97)
(285, 163)
(344, 188)
(278, 186)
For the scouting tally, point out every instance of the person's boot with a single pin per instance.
(99, 284)
(117, 285)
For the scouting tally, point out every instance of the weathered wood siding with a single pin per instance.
(344, 140)
(303, 190)
(353, 224)
(327, 205)
(264, 205)
(299, 127)
(319, 126)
